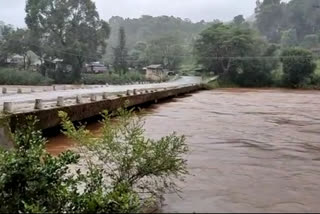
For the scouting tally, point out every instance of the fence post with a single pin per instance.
(38, 104)
(8, 107)
(60, 101)
(128, 93)
(105, 95)
(19, 91)
(79, 99)
(54, 88)
(135, 91)
(93, 97)
(4, 90)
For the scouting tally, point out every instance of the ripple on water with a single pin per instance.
(251, 150)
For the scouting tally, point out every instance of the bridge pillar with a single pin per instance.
(105, 95)
(79, 99)
(4, 90)
(19, 91)
(38, 104)
(60, 101)
(135, 91)
(93, 97)
(8, 107)
(128, 93)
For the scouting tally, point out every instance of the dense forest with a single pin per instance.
(245, 52)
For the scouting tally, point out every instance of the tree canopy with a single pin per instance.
(70, 30)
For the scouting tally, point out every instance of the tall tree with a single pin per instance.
(121, 53)
(269, 18)
(67, 29)
(165, 50)
(238, 20)
(5, 31)
(235, 53)
(18, 43)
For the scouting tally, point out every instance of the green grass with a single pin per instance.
(11, 76)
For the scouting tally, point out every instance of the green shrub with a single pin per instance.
(145, 165)
(118, 167)
(113, 78)
(9, 76)
(298, 66)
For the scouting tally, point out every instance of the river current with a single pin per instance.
(250, 150)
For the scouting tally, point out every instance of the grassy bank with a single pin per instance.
(11, 76)
(113, 78)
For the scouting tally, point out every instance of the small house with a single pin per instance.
(155, 72)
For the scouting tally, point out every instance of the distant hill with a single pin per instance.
(147, 28)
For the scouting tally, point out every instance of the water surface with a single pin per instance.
(250, 150)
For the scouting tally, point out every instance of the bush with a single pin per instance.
(113, 78)
(122, 165)
(252, 73)
(125, 156)
(9, 76)
(298, 66)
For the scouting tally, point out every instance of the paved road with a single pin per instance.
(25, 101)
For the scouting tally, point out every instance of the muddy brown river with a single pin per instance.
(250, 150)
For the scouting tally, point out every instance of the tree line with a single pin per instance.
(248, 53)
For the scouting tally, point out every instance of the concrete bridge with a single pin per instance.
(83, 102)
(19, 99)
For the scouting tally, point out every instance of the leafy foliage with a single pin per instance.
(9, 76)
(236, 53)
(32, 180)
(145, 166)
(69, 30)
(298, 66)
(121, 53)
(108, 175)
(113, 78)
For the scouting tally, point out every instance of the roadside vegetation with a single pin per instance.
(120, 171)
(244, 53)
(114, 78)
(11, 76)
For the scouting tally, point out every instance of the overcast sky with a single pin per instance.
(12, 11)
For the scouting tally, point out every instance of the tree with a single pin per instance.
(220, 45)
(5, 31)
(166, 51)
(310, 41)
(138, 55)
(18, 43)
(70, 30)
(269, 18)
(238, 20)
(237, 54)
(146, 166)
(289, 38)
(304, 16)
(121, 53)
(298, 65)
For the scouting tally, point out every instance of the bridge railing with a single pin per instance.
(20, 90)
(60, 101)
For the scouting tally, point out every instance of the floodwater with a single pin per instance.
(250, 150)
